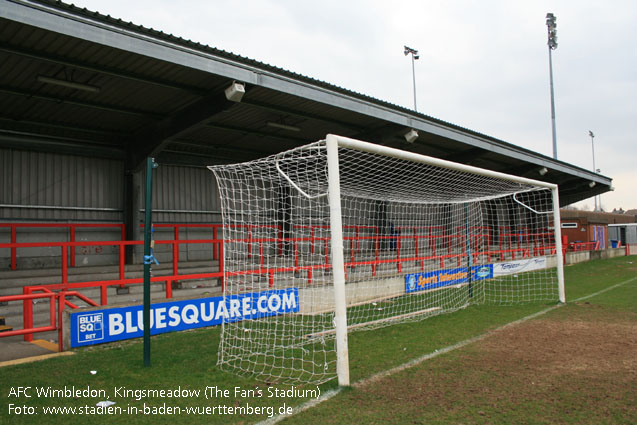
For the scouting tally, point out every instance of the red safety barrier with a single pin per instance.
(65, 285)
(72, 227)
(405, 245)
(57, 302)
(584, 246)
(28, 324)
(64, 246)
(215, 231)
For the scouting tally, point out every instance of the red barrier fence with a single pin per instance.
(406, 244)
(66, 246)
(50, 290)
(584, 246)
(57, 302)
(72, 227)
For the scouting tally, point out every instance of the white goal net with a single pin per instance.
(420, 237)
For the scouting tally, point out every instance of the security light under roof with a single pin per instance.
(235, 92)
(411, 136)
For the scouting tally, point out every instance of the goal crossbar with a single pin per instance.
(359, 145)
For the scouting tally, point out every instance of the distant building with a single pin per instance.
(624, 233)
(591, 226)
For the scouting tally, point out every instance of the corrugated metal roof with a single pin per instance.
(130, 26)
(149, 95)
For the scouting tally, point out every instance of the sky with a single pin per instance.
(483, 63)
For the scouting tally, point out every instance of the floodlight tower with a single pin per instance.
(552, 31)
(414, 57)
(590, 133)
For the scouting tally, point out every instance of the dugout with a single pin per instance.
(87, 97)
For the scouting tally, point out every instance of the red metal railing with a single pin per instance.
(584, 246)
(65, 246)
(57, 302)
(72, 227)
(28, 328)
(64, 285)
(405, 245)
(538, 246)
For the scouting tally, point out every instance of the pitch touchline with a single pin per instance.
(330, 394)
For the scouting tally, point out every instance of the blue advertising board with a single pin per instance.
(114, 324)
(439, 278)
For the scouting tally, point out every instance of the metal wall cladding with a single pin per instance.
(184, 195)
(54, 187)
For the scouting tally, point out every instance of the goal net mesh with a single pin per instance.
(418, 239)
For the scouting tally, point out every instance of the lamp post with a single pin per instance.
(599, 197)
(414, 57)
(552, 42)
(590, 133)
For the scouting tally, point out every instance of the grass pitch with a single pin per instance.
(575, 365)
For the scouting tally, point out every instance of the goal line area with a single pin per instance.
(365, 236)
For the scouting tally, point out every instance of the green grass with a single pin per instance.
(458, 388)
(188, 360)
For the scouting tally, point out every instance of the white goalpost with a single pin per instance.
(343, 235)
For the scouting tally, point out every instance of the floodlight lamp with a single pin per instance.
(414, 52)
(542, 171)
(591, 184)
(411, 136)
(550, 20)
(590, 133)
(235, 92)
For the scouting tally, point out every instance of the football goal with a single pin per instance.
(343, 235)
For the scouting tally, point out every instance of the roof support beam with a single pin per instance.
(467, 157)
(296, 141)
(179, 157)
(526, 170)
(300, 114)
(215, 150)
(384, 134)
(152, 140)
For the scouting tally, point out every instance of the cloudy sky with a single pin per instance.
(483, 63)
